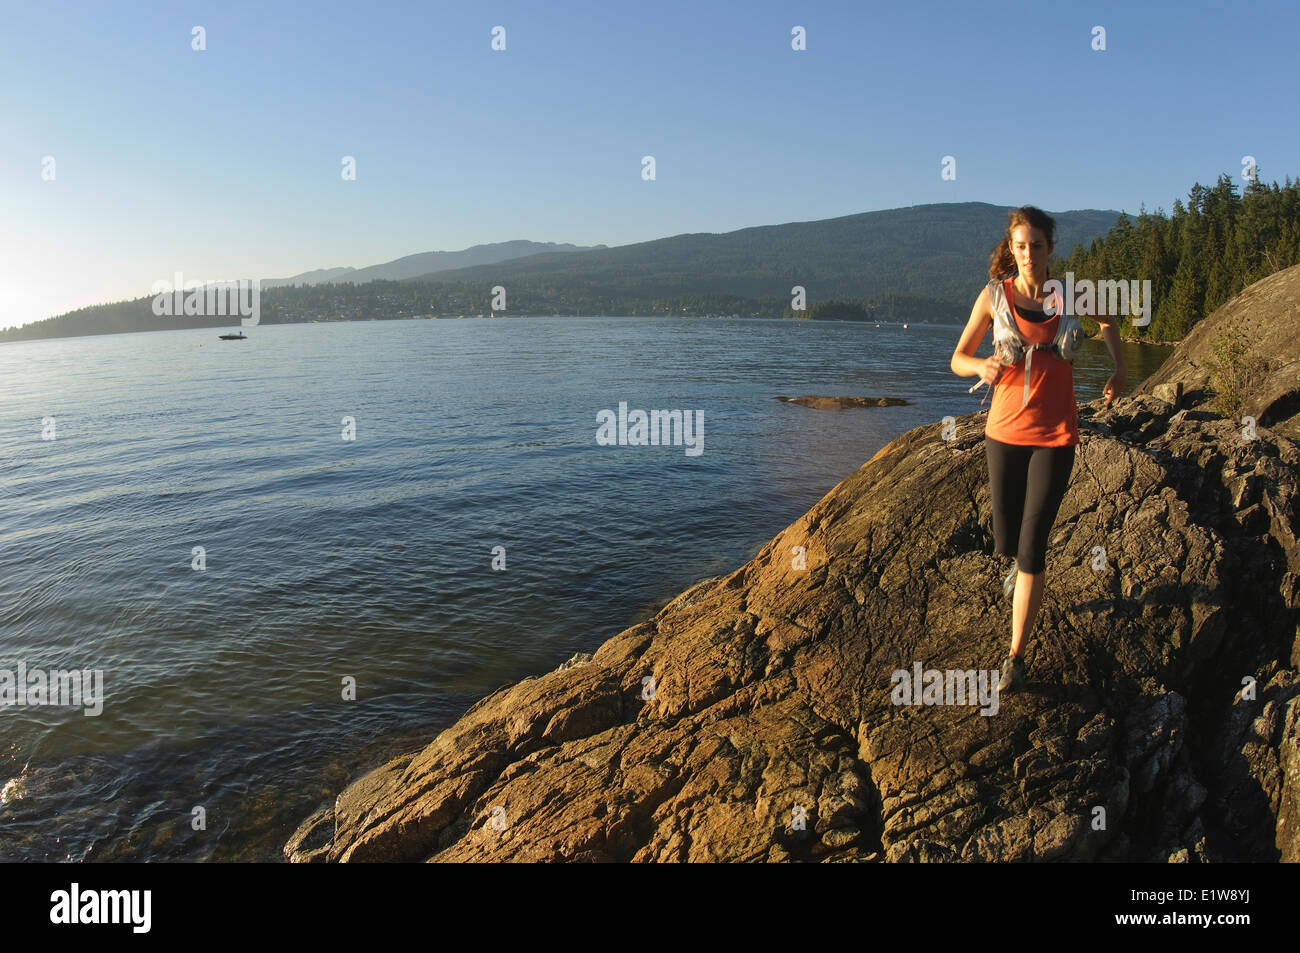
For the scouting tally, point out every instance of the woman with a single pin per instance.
(1031, 433)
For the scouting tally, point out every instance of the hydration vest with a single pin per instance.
(1010, 347)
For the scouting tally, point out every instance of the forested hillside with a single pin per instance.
(1200, 255)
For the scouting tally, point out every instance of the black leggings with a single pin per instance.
(1028, 485)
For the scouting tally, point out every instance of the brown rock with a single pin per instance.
(1171, 394)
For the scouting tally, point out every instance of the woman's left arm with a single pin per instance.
(1110, 334)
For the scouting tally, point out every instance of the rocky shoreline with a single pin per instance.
(1130, 339)
(752, 718)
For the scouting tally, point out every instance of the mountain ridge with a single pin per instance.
(765, 260)
(428, 263)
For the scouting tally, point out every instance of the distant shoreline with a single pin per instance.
(891, 322)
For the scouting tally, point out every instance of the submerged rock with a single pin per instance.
(839, 403)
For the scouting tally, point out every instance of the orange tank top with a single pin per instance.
(1051, 417)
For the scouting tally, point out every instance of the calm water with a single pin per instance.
(372, 558)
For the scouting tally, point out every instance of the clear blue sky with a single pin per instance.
(226, 163)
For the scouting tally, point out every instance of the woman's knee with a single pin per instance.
(1031, 558)
(1031, 563)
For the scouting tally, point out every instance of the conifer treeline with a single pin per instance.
(1199, 256)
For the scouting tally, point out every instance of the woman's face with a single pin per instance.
(1030, 248)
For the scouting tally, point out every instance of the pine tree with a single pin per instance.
(1222, 281)
(1176, 313)
(1154, 267)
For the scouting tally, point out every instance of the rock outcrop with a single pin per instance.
(755, 716)
(840, 403)
(1266, 317)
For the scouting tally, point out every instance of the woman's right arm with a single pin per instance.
(964, 362)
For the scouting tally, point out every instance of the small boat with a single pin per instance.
(241, 336)
(904, 324)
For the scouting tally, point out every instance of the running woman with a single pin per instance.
(1030, 434)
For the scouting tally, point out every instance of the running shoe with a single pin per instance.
(1013, 674)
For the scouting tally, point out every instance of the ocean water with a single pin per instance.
(330, 562)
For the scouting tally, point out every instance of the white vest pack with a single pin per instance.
(1010, 347)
